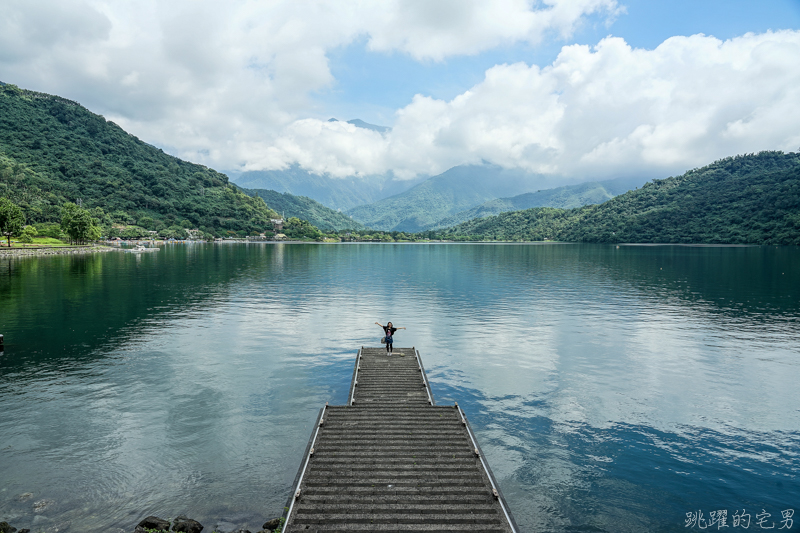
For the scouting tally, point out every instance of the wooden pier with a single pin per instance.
(392, 460)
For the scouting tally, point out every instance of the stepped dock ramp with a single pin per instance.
(392, 460)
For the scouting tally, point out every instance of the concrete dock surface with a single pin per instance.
(392, 460)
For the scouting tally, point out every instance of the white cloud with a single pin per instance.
(609, 110)
(231, 84)
(435, 30)
(201, 76)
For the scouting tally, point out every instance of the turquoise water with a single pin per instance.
(612, 389)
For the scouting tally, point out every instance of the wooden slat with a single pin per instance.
(392, 461)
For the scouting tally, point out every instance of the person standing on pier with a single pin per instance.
(389, 330)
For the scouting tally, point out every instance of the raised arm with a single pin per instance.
(378, 324)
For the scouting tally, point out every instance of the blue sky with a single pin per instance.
(572, 90)
(372, 85)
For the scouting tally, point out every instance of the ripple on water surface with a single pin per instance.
(613, 389)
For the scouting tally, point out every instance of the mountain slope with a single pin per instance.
(565, 197)
(750, 199)
(451, 192)
(336, 193)
(305, 208)
(53, 150)
(357, 122)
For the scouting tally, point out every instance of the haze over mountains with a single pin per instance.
(303, 207)
(455, 196)
(461, 193)
(453, 191)
(746, 199)
(52, 150)
(566, 197)
(336, 193)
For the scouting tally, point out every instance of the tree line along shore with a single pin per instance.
(69, 175)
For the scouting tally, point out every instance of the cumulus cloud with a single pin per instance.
(607, 110)
(435, 30)
(233, 84)
(216, 80)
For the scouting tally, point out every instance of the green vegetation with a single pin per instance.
(295, 228)
(749, 199)
(79, 224)
(305, 208)
(459, 188)
(12, 219)
(53, 152)
(332, 192)
(566, 197)
(28, 234)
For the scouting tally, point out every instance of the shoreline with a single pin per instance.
(39, 251)
(61, 250)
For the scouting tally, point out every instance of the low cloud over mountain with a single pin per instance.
(243, 85)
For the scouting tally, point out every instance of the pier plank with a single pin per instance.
(393, 460)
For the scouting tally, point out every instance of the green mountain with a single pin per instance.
(451, 192)
(565, 197)
(748, 199)
(305, 208)
(53, 150)
(336, 193)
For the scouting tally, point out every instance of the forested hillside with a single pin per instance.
(565, 197)
(749, 199)
(336, 193)
(53, 151)
(305, 208)
(453, 191)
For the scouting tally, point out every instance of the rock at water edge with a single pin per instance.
(184, 524)
(154, 522)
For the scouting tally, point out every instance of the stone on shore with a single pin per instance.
(271, 525)
(6, 528)
(186, 525)
(152, 522)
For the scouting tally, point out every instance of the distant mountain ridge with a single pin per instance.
(335, 193)
(470, 191)
(566, 197)
(304, 208)
(746, 199)
(357, 122)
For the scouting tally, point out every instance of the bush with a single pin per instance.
(50, 229)
(134, 232)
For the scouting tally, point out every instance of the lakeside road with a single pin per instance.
(60, 250)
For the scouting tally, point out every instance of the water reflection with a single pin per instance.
(614, 389)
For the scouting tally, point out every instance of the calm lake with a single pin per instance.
(612, 388)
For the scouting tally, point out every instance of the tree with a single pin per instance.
(28, 233)
(147, 222)
(78, 223)
(12, 219)
(297, 228)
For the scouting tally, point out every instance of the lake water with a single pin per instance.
(612, 388)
